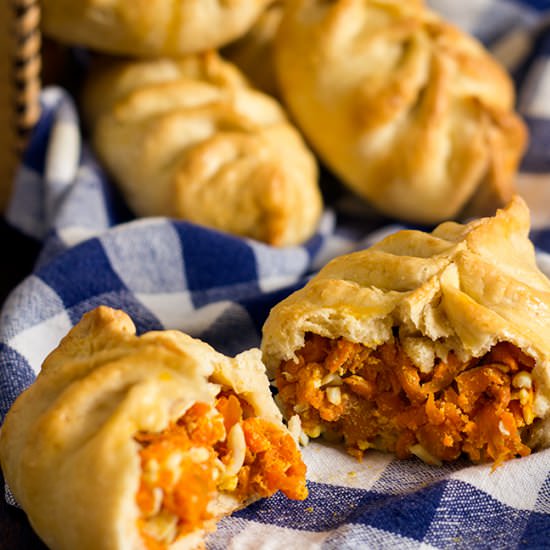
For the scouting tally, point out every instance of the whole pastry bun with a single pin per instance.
(128, 442)
(150, 28)
(190, 139)
(410, 112)
(434, 344)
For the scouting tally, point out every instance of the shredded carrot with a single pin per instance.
(181, 464)
(340, 354)
(387, 403)
(231, 410)
(188, 487)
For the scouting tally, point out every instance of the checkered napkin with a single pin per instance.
(171, 274)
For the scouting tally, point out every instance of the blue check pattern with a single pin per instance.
(171, 274)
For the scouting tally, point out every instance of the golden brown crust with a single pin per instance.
(149, 28)
(190, 139)
(67, 446)
(410, 112)
(462, 288)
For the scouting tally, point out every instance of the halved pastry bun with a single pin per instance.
(190, 139)
(434, 344)
(410, 112)
(127, 442)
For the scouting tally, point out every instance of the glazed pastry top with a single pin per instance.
(71, 435)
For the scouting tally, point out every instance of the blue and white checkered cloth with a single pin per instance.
(171, 274)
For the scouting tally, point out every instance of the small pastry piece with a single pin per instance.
(127, 442)
(149, 29)
(190, 139)
(433, 344)
(253, 53)
(410, 112)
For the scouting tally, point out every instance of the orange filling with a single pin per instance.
(185, 467)
(272, 461)
(377, 398)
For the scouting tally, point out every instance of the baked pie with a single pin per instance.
(190, 139)
(149, 29)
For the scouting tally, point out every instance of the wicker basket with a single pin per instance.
(20, 61)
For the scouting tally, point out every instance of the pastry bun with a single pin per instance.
(435, 344)
(126, 442)
(410, 112)
(189, 139)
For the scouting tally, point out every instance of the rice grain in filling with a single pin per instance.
(206, 452)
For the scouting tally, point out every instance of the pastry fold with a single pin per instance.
(189, 139)
(410, 112)
(141, 442)
(151, 28)
(434, 344)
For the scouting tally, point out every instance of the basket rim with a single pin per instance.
(22, 68)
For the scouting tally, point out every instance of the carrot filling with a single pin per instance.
(207, 452)
(377, 398)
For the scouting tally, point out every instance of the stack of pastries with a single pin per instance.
(180, 130)
(412, 114)
(127, 442)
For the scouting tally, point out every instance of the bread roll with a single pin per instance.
(410, 112)
(434, 344)
(190, 139)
